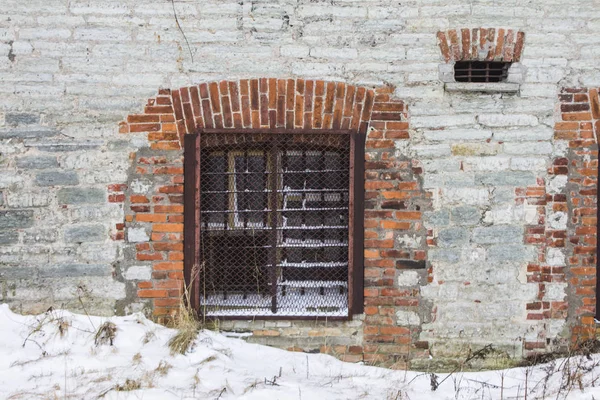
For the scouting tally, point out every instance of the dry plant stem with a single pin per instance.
(181, 30)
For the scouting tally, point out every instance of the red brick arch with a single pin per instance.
(240, 104)
(262, 103)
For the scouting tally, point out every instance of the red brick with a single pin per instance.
(152, 293)
(167, 227)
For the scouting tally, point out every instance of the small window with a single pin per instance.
(481, 71)
(275, 216)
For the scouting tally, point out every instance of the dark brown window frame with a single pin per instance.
(192, 207)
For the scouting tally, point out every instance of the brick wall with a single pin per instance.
(488, 171)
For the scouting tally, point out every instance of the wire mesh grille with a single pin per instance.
(480, 71)
(274, 223)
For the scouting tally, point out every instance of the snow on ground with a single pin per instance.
(54, 356)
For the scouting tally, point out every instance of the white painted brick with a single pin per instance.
(378, 12)
(538, 90)
(337, 12)
(528, 164)
(220, 8)
(21, 48)
(324, 52)
(162, 8)
(138, 272)
(486, 163)
(101, 34)
(524, 134)
(294, 51)
(91, 7)
(392, 54)
(313, 69)
(495, 120)
(442, 121)
(432, 151)
(61, 21)
(528, 148)
(40, 33)
(458, 134)
(445, 11)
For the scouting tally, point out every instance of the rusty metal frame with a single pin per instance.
(192, 207)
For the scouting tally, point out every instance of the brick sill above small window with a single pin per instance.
(482, 45)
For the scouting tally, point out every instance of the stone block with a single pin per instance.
(452, 237)
(54, 145)
(498, 234)
(27, 132)
(81, 195)
(37, 162)
(85, 233)
(16, 219)
(444, 255)
(57, 178)
(14, 119)
(40, 235)
(509, 253)
(506, 178)
(8, 237)
(75, 270)
(436, 218)
(465, 215)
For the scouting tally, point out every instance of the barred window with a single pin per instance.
(274, 224)
(481, 71)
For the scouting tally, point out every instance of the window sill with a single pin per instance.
(500, 87)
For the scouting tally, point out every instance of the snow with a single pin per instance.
(37, 361)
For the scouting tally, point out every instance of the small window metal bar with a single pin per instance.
(481, 71)
(291, 256)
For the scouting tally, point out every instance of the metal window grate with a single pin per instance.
(481, 71)
(274, 224)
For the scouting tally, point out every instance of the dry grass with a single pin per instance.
(129, 385)
(105, 334)
(187, 326)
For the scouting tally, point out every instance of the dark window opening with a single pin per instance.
(275, 226)
(481, 71)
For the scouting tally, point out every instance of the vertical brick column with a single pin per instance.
(393, 206)
(579, 125)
